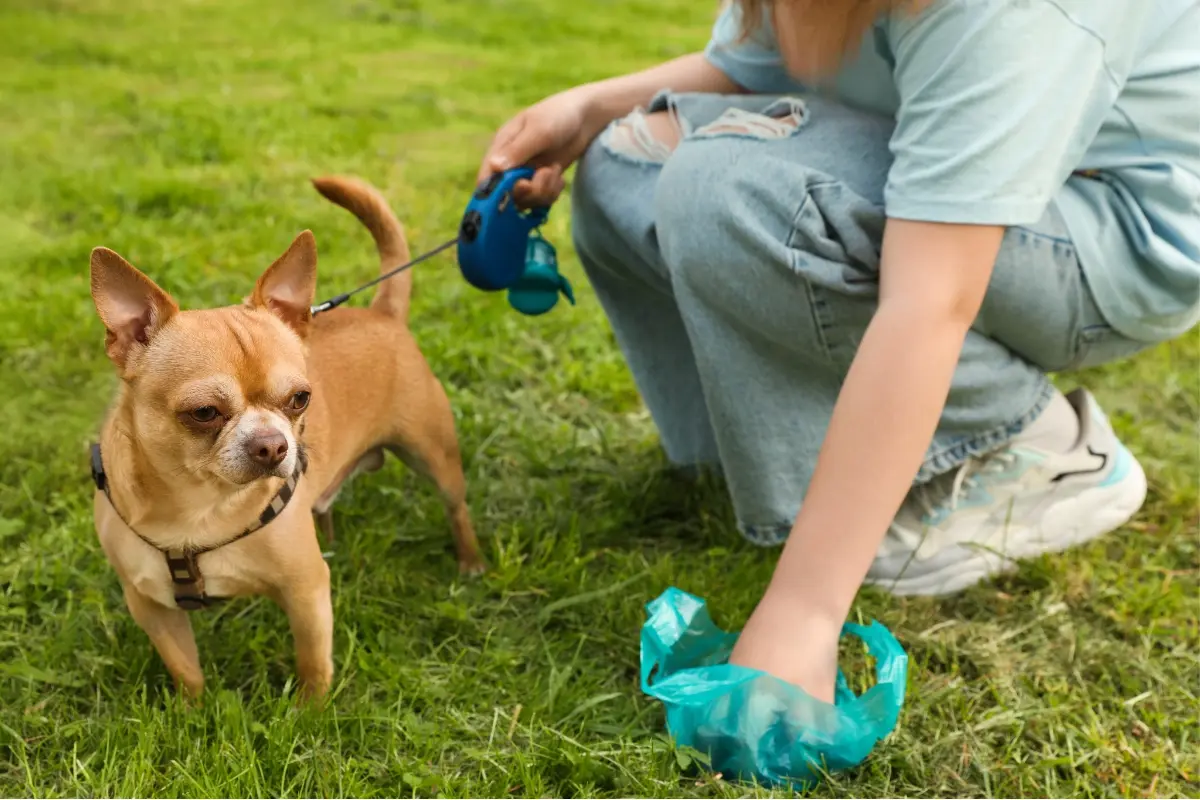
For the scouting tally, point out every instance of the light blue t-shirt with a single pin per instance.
(998, 102)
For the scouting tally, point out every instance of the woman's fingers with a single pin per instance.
(519, 142)
(501, 142)
(542, 190)
(528, 142)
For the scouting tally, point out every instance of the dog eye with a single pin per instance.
(205, 414)
(299, 401)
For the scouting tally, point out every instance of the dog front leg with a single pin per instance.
(309, 609)
(170, 631)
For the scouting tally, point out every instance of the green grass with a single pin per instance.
(182, 135)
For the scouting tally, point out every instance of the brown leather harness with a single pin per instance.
(182, 563)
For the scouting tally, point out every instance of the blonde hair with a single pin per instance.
(828, 29)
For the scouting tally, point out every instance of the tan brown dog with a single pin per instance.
(233, 426)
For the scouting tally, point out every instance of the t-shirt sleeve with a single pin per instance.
(999, 99)
(753, 63)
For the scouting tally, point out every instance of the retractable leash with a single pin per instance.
(499, 248)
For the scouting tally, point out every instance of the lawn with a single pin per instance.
(183, 135)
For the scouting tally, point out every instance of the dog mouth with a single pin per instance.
(247, 473)
(260, 473)
(265, 474)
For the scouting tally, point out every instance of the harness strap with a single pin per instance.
(182, 563)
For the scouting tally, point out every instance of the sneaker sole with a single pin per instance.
(1066, 524)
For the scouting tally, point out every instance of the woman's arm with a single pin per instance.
(983, 141)
(554, 133)
(615, 97)
(933, 279)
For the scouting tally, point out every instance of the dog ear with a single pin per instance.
(131, 306)
(289, 285)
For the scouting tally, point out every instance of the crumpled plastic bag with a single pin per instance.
(752, 725)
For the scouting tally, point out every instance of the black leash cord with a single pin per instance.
(334, 302)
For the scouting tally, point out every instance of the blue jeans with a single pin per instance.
(740, 270)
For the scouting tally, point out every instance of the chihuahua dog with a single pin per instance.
(233, 427)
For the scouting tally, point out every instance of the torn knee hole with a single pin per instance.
(645, 137)
(777, 121)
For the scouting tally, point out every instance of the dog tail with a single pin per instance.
(365, 202)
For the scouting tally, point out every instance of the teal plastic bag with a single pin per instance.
(751, 724)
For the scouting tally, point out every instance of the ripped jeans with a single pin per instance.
(739, 269)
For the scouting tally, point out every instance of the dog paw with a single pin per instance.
(472, 566)
(314, 691)
(190, 691)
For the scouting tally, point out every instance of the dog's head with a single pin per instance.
(217, 394)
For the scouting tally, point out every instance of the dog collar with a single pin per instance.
(182, 563)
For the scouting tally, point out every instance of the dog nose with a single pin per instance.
(268, 448)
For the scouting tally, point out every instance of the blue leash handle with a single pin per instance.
(499, 248)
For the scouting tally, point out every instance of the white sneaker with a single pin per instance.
(1017, 502)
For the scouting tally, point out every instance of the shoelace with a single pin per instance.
(942, 495)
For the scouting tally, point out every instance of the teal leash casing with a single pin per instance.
(539, 286)
(500, 246)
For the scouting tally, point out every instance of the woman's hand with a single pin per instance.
(551, 135)
(548, 136)
(790, 642)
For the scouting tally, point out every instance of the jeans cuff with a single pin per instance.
(766, 535)
(941, 460)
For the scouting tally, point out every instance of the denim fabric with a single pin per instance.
(740, 271)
